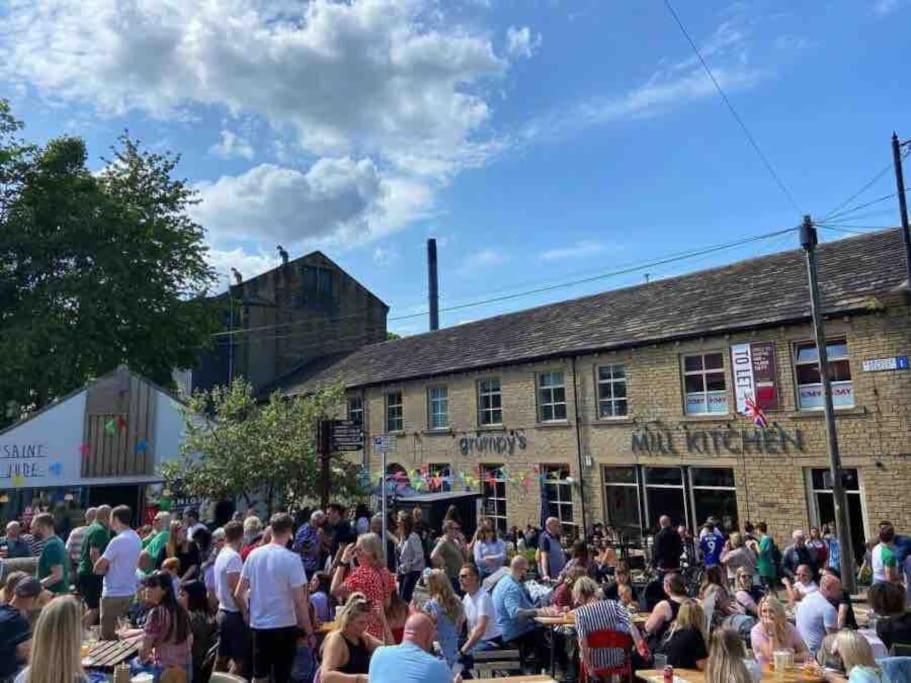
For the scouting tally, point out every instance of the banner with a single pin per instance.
(754, 370)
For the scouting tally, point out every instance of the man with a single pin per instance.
(155, 543)
(765, 561)
(308, 542)
(711, 527)
(480, 617)
(410, 662)
(515, 612)
(447, 554)
(710, 544)
(90, 584)
(795, 555)
(885, 559)
(191, 519)
(532, 535)
(117, 565)
(338, 528)
(802, 585)
(76, 537)
(552, 557)
(668, 547)
(816, 617)
(53, 563)
(13, 544)
(15, 634)
(846, 616)
(233, 633)
(273, 590)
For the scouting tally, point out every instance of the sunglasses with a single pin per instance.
(464, 577)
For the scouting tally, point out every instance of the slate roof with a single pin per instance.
(854, 273)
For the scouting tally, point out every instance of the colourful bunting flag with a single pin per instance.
(110, 426)
(85, 449)
(121, 423)
(18, 480)
(56, 468)
(141, 446)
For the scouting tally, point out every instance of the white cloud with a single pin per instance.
(231, 145)
(578, 249)
(884, 7)
(483, 258)
(385, 256)
(520, 42)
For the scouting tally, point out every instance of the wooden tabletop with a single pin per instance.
(526, 679)
(106, 654)
(566, 619)
(794, 675)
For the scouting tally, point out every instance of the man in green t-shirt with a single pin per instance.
(155, 543)
(96, 539)
(53, 564)
(765, 562)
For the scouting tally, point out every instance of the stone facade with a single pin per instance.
(772, 469)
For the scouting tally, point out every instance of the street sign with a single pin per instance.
(384, 443)
(347, 436)
(884, 364)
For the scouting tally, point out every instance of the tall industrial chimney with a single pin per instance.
(434, 284)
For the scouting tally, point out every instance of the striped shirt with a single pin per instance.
(74, 543)
(603, 615)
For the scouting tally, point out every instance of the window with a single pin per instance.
(490, 402)
(704, 384)
(551, 397)
(558, 496)
(822, 504)
(493, 488)
(809, 382)
(714, 495)
(438, 408)
(394, 414)
(356, 409)
(621, 500)
(664, 495)
(612, 400)
(440, 477)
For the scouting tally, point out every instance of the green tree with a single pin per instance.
(246, 449)
(98, 270)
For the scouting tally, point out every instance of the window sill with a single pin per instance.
(709, 417)
(490, 428)
(554, 424)
(612, 421)
(442, 431)
(819, 414)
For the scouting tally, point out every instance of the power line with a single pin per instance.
(730, 106)
(859, 192)
(854, 209)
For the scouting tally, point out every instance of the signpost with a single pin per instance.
(885, 364)
(347, 436)
(382, 444)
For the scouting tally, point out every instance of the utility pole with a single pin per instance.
(323, 451)
(808, 241)
(433, 285)
(902, 201)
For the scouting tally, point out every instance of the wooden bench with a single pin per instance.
(496, 663)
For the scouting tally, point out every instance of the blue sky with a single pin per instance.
(539, 140)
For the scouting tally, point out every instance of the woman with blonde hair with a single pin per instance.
(774, 632)
(446, 611)
(726, 659)
(347, 650)
(362, 569)
(857, 657)
(180, 546)
(684, 644)
(55, 656)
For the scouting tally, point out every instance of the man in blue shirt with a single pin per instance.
(711, 544)
(410, 662)
(13, 543)
(553, 557)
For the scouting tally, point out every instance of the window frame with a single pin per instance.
(553, 404)
(562, 487)
(723, 370)
(497, 471)
(349, 411)
(430, 412)
(795, 364)
(636, 485)
(480, 396)
(613, 400)
(401, 409)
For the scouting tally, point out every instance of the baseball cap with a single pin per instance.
(29, 588)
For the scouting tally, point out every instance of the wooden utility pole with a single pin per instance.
(902, 201)
(324, 451)
(808, 240)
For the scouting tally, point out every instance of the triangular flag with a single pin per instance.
(85, 449)
(110, 427)
(121, 423)
(142, 446)
(18, 480)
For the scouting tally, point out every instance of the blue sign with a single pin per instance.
(883, 364)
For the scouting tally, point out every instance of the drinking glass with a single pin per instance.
(660, 662)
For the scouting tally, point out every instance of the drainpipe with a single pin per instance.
(579, 447)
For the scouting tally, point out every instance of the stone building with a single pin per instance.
(301, 314)
(631, 403)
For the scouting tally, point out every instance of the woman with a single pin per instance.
(452, 515)
(736, 555)
(893, 624)
(606, 563)
(362, 569)
(376, 527)
(396, 616)
(746, 593)
(726, 659)
(666, 611)
(622, 577)
(594, 614)
(446, 611)
(563, 593)
(774, 632)
(346, 651)
(56, 644)
(185, 550)
(857, 657)
(684, 644)
(167, 638)
(484, 524)
(714, 591)
(818, 548)
(410, 553)
(579, 558)
(194, 600)
(489, 551)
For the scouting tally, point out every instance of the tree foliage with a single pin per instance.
(96, 270)
(247, 449)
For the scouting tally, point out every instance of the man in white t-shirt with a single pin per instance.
(118, 565)
(191, 519)
(483, 632)
(816, 615)
(233, 632)
(273, 590)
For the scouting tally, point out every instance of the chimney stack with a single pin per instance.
(434, 285)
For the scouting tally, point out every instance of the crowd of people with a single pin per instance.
(419, 604)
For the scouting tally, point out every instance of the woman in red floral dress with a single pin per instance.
(362, 569)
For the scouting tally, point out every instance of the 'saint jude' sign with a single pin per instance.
(659, 439)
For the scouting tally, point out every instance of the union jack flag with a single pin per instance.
(754, 412)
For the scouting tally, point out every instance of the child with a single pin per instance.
(319, 597)
(171, 567)
(446, 611)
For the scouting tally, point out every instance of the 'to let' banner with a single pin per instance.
(755, 375)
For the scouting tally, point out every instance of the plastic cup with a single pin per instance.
(781, 660)
(660, 662)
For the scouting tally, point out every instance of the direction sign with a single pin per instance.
(884, 364)
(347, 436)
(384, 443)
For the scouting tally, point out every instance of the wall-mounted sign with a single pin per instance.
(660, 439)
(754, 375)
(501, 444)
(384, 443)
(347, 436)
(884, 364)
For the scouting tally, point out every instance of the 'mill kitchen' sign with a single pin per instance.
(659, 439)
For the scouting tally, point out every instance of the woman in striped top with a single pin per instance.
(595, 614)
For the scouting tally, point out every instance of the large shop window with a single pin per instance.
(704, 384)
(809, 381)
(714, 495)
(438, 407)
(490, 402)
(822, 504)
(551, 397)
(612, 400)
(664, 495)
(493, 488)
(439, 475)
(558, 496)
(622, 501)
(395, 421)
(356, 409)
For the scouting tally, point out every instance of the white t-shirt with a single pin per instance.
(478, 605)
(193, 529)
(805, 588)
(226, 562)
(273, 572)
(881, 557)
(122, 555)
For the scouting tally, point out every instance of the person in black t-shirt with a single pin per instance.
(15, 634)
(621, 578)
(684, 643)
(338, 528)
(846, 616)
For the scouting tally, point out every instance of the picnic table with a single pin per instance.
(526, 679)
(106, 654)
(794, 674)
